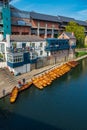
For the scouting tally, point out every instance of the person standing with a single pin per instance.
(23, 81)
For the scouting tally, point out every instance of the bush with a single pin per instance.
(1, 56)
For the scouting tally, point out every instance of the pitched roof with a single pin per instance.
(44, 17)
(69, 34)
(68, 19)
(38, 16)
(65, 19)
(13, 7)
(20, 14)
(25, 38)
(83, 23)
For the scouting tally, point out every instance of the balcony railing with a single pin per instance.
(18, 50)
(56, 48)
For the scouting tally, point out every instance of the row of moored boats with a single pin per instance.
(44, 79)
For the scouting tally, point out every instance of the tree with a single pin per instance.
(78, 32)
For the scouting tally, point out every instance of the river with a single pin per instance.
(60, 106)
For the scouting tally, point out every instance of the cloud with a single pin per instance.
(83, 12)
(14, 2)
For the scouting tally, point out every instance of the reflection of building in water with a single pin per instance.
(84, 64)
(69, 77)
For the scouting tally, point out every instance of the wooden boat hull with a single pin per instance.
(27, 85)
(14, 94)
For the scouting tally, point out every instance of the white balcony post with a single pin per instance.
(45, 32)
(38, 33)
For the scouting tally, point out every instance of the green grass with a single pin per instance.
(79, 54)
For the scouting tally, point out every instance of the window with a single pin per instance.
(14, 45)
(14, 59)
(41, 44)
(21, 22)
(32, 56)
(41, 52)
(9, 58)
(30, 44)
(46, 43)
(33, 44)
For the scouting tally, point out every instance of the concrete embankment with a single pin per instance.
(79, 58)
(8, 81)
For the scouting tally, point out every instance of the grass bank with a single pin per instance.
(79, 54)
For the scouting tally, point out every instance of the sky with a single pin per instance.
(70, 8)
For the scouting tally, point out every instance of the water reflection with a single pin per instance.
(62, 105)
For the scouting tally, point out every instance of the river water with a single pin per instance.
(60, 106)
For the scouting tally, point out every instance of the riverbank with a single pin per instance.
(29, 75)
(79, 58)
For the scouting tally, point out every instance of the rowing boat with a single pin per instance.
(14, 94)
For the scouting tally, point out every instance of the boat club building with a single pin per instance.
(22, 51)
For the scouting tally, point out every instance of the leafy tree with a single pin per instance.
(78, 32)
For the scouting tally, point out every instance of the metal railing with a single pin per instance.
(18, 50)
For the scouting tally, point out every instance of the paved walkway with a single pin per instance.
(8, 81)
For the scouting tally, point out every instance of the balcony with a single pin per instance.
(17, 50)
(56, 47)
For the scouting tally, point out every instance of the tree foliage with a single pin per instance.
(78, 32)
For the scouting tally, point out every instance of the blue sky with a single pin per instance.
(70, 8)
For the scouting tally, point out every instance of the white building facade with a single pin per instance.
(22, 51)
